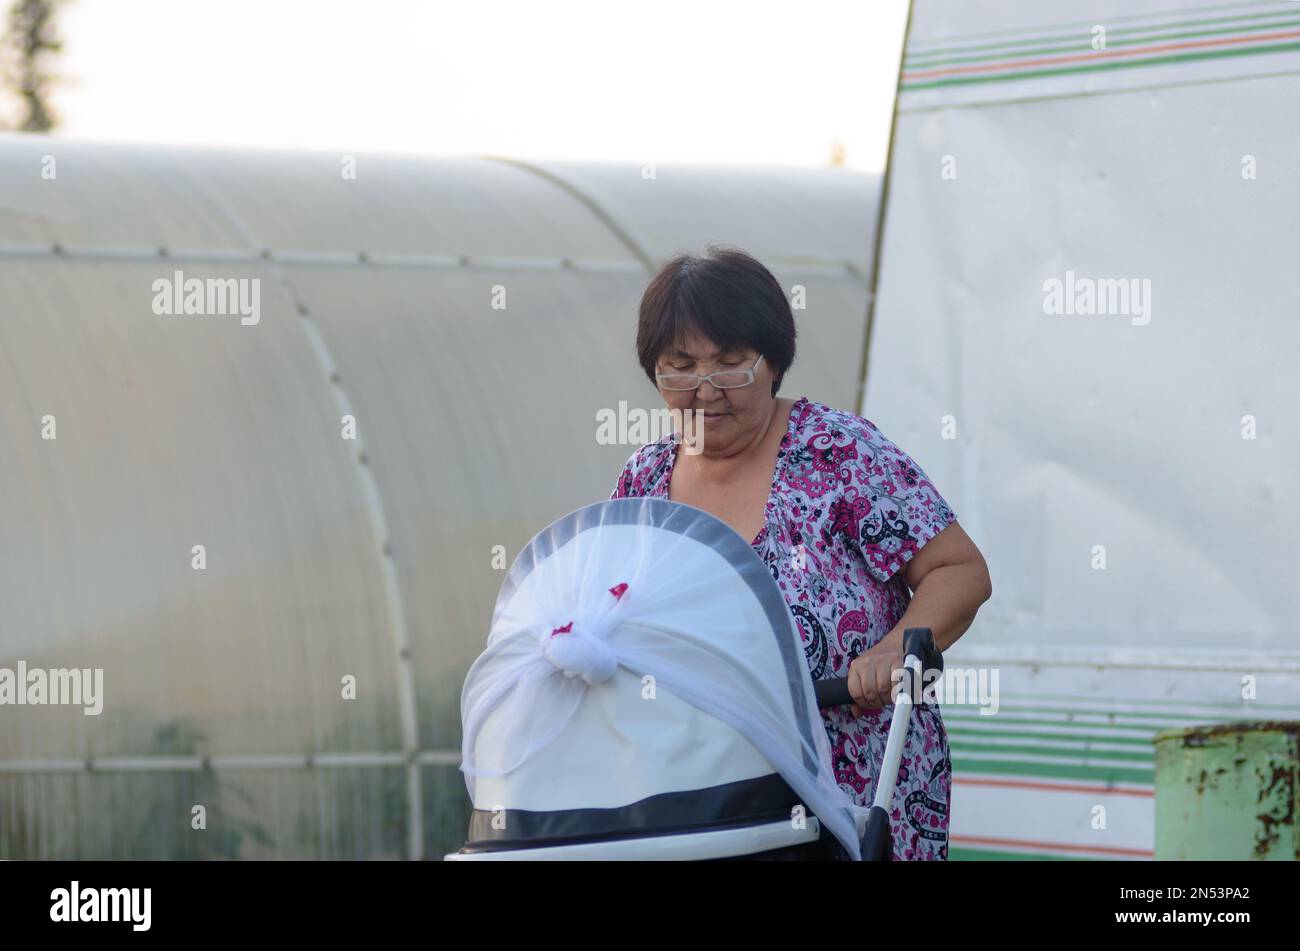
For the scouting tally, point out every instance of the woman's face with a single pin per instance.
(727, 421)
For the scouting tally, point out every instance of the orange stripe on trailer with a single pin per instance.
(1085, 57)
(1060, 846)
(1054, 787)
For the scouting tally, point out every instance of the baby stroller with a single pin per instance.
(644, 695)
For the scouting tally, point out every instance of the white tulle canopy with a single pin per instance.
(639, 647)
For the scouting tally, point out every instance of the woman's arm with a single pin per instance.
(949, 580)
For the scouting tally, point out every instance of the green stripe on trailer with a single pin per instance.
(1097, 774)
(958, 853)
(967, 734)
(1144, 757)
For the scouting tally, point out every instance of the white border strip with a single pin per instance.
(720, 843)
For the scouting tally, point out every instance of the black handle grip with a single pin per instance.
(834, 691)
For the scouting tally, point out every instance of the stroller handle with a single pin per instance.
(833, 692)
(917, 642)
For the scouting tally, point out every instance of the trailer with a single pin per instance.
(1126, 463)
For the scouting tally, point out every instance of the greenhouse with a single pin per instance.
(280, 540)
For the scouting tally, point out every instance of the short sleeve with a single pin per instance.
(645, 470)
(895, 509)
(623, 484)
(630, 482)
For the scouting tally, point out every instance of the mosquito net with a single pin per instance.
(638, 596)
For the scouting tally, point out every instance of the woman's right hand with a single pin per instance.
(871, 679)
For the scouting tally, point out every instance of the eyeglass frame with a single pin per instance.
(751, 371)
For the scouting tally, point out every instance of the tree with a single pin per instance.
(29, 46)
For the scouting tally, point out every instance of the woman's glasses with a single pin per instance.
(722, 379)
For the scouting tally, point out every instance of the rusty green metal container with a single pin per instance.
(1228, 791)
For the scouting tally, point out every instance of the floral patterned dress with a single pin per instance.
(847, 510)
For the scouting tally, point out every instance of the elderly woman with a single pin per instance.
(860, 542)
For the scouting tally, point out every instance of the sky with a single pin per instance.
(709, 81)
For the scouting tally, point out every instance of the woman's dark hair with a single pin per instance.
(724, 295)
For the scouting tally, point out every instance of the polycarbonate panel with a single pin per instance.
(103, 196)
(482, 425)
(336, 813)
(830, 329)
(776, 213)
(410, 206)
(486, 451)
(446, 810)
(170, 433)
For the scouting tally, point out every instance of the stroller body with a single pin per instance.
(631, 778)
(644, 695)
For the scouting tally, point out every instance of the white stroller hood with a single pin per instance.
(643, 677)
